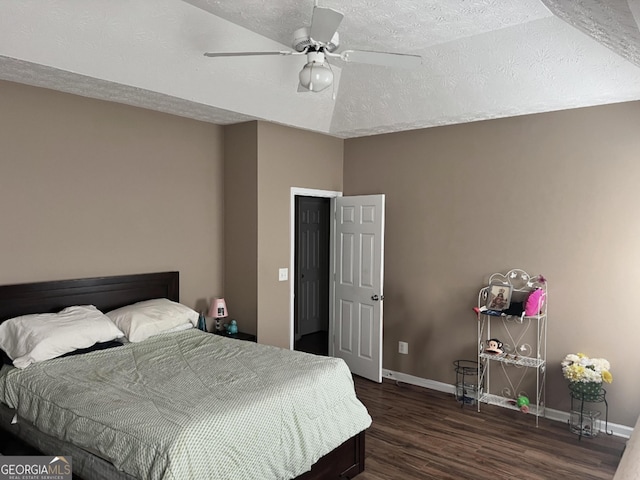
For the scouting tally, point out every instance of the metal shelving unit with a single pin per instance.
(520, 370)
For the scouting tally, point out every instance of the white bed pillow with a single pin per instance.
(34, 338)
(180, 328)
(152, 317)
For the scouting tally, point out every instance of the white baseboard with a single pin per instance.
(551, 414)
(418, 381)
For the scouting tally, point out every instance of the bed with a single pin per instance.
(343, 456)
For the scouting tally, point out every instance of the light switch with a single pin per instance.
(283, 274)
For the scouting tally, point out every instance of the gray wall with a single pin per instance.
(263, 162)
(91, 188)
(553, 194)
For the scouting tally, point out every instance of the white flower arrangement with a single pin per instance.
(580, 368)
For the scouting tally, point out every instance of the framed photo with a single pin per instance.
(499, 297)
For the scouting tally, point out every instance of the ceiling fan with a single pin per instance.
(320, 41)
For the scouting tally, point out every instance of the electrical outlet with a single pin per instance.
(283, 274)
(403, 347)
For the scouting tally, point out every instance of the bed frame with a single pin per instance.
(108, 293)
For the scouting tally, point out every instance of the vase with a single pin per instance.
(587, 391)
(202, 323)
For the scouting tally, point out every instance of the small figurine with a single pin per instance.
(523, 404)
(232, 328)
(494, 346)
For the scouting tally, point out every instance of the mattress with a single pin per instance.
(85, 464)
(193, 405)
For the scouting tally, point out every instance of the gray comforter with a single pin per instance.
(193, 405)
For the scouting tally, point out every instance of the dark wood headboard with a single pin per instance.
(106, 293)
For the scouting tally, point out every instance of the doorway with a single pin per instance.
(355, 287)
(311, 277)
(295, 193)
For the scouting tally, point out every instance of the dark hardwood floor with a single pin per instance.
(420, 434)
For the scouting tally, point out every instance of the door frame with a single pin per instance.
(306, 192)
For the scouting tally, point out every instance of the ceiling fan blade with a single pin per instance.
(248, 54)
(385, 59)
(324, 23)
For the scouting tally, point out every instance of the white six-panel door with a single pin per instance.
(358, 283)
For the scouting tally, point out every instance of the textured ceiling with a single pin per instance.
(482, 59)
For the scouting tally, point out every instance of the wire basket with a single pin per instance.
(466, 386)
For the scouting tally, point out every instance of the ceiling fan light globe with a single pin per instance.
(316, 76)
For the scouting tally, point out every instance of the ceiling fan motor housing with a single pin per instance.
(302, 41)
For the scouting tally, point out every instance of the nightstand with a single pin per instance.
(238, 336)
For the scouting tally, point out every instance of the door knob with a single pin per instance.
(374, 298)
